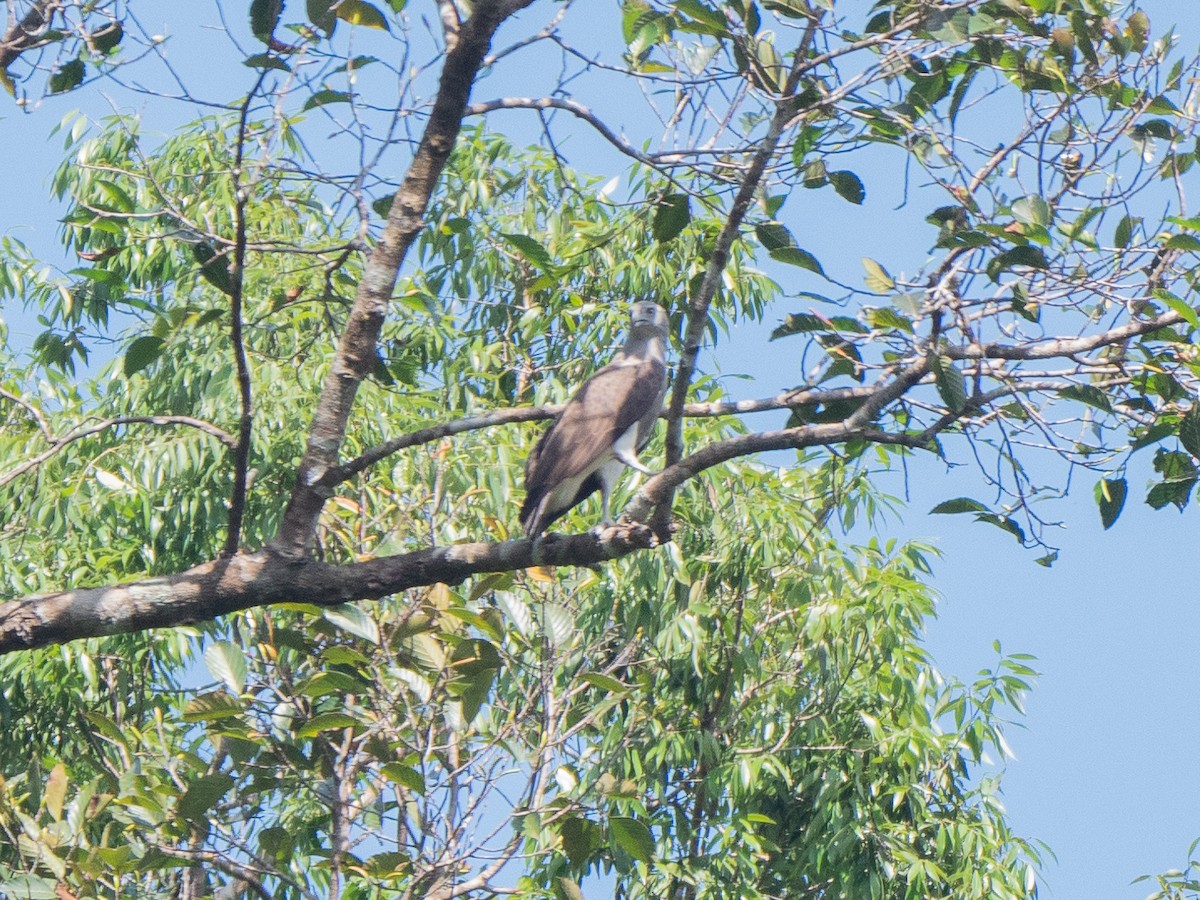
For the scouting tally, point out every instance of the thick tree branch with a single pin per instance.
(27, 32)
(356, 352)
(249, 580)
(227, 585)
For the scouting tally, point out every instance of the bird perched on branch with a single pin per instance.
(610, 418)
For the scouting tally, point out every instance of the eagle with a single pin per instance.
(602, 428)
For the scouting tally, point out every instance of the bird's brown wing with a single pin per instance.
(607, 405)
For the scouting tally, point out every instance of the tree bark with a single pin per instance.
(248, 580)
(356, 353)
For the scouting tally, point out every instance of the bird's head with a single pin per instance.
(648, 319)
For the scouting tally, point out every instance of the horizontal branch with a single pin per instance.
(786, 400)
(660, 488)
(578, 110)
(1058, 347)
(244, 581)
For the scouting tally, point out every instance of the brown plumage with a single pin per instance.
(600, 431)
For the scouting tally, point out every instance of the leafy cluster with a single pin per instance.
(745, 712)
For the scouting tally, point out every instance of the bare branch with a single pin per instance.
(719, 257)
(786, 400)
(27, 33)
(241, 454)
(1063, 346)
(576, 109)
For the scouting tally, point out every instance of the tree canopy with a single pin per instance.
(292, 363)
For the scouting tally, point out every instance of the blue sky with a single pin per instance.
(1105, 760)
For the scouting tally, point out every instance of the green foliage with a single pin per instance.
(726, 712)
(744, 715)
(747, 712)
(1176, 884)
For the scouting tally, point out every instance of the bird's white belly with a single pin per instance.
(607, 467)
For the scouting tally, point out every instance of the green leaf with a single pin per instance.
(1183, 242)
(605, 682)
(1022, 305)
(1032, 210)
(1179, 305)
(1191, 224)
(1189, 431)
(331, 682)
(530, 249)
(672, 213)
(328, 721)
(214, 268)
(887, 319)
(1110, 497)
(1124, 232)
(1004, 523)
(69, 76)
(324, 98)
(1085, 393)
(358, 12)
(264, 18)
(793, 9)
(322, 16)
(566, 889)
(633, 837)
(794, 256)
(800, 323)
(849, 186)
(1161, 106)
(559, 625)
(878, 279)
(203, 794)
(1031, 257)
(951, 384)
(774, 236)
(211, 707)
(766, 69)
(118, 200)
(398, 773)
(266, 61)
(713, 21)
(141, 353)
(355, 620)
(1179, 478)
(227, 663)
(580, 839)
(28, 887)
(959, 505)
